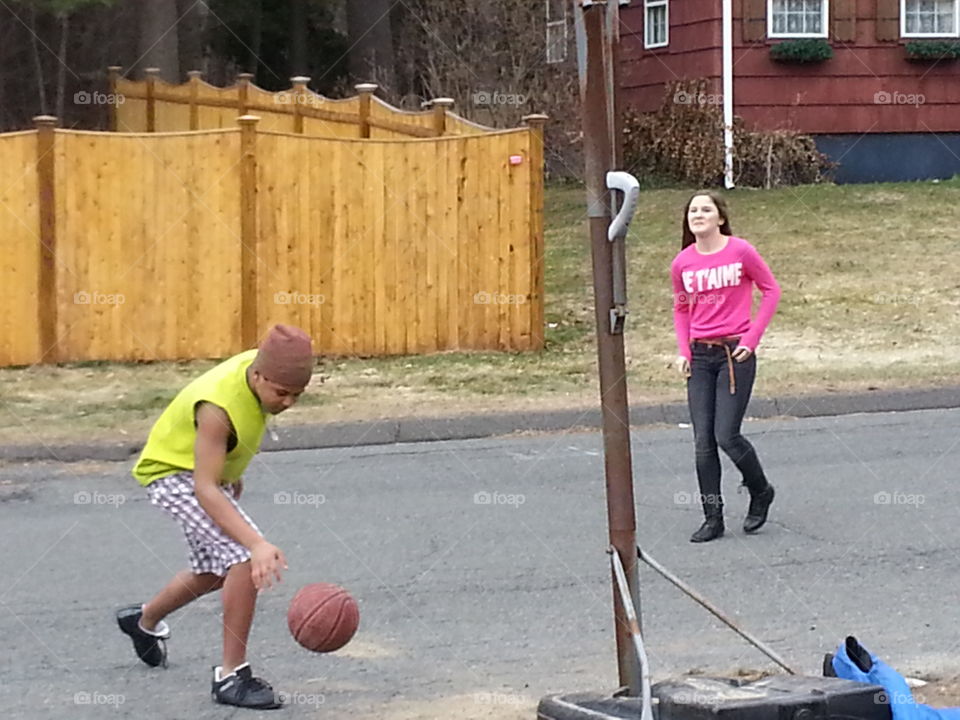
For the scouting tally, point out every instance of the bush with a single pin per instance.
(932, 50)
(774, 158)
(682, 142)
(805, 50)
(673, 143)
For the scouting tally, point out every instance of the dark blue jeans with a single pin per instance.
(717, 415)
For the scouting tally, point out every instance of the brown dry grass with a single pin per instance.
(871, 300)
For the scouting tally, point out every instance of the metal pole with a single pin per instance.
(598, 151)
(759, 644)
(646, 697)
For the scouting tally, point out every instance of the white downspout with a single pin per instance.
(728, 93)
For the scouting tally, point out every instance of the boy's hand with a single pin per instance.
(266, 561)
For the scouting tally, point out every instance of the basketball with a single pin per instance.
(323, 617)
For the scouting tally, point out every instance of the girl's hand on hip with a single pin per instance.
(742, 353)
(682, 365)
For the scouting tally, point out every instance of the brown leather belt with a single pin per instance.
(725, 344)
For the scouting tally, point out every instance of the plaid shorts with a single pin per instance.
(211, 549)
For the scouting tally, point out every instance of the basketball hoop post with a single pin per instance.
(597, 31)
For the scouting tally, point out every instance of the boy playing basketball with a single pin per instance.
(192, 467)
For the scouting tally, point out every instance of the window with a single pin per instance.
(656, 24)
(556, 30)
(797, 18)
(929, 18)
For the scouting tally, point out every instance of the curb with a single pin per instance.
(468, 427)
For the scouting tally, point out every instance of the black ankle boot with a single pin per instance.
(757, 512)
(711, 529)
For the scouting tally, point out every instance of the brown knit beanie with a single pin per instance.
(285, 356)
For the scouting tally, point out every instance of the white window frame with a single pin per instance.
(647, 6)
(903, 23)
(556, 53)
(824, 23)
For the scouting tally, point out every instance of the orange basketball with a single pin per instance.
(323, 617)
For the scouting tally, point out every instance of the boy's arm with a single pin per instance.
(210, 451)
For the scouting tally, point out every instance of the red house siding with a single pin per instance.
(868, 85)
(692, 53)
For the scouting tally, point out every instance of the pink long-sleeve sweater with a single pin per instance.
(713, 294)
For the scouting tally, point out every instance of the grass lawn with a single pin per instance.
(871, 299)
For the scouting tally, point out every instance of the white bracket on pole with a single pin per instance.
(617, 234)
(630, 187)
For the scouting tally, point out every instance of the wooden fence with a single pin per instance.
(121, 246)
(153, 105)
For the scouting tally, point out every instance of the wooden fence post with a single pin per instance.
(114, 76)
(536, 124)
(195, 76)
(441, 106)
(243, 92)
(249, 235)
(365, 90)
(299, 98)
(152, 75)
(47, 271)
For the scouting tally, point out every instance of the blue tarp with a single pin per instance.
(866, 667)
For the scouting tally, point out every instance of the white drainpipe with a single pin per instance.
(728, 93)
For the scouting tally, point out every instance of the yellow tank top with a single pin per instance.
(169, 447)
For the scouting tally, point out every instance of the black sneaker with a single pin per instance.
(242, 689)
(711, 529)
(828, 670)
(151, 647)
(757, 512)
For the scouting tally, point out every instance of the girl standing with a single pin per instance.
(713, 279)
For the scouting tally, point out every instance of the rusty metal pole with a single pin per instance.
(600, 146)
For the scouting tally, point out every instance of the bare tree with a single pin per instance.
(370, 33)
(190, 32)
(37, 62)
(298, 37)
(63, 18)
(159, 38)
(491, 57)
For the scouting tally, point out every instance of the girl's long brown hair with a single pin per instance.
(688, 237)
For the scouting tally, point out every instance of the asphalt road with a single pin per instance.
(480, 570)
